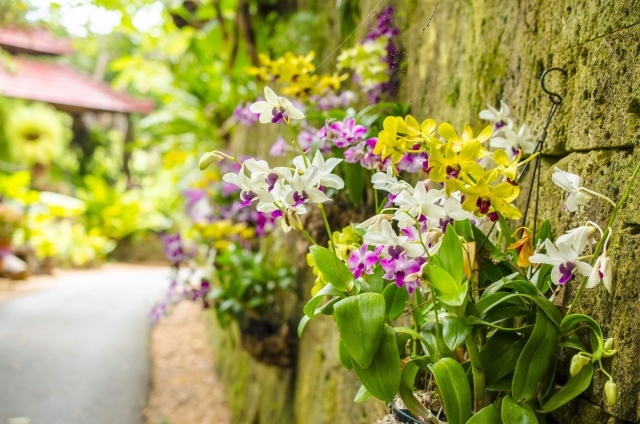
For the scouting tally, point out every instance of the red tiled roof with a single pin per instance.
(66, 88)
(34, 41)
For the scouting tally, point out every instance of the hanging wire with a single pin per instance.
(406, 418)
(556, 100)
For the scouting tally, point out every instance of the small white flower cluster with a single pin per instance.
(505, 136)
(565, 255)
(284, 192)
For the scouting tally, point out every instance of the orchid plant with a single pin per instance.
(478, 314)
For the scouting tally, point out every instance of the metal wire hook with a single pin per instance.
(554, 97)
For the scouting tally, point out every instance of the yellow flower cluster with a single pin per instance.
(295, 73)
(222, 234)
(454, 159)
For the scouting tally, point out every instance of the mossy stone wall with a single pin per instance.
(476, 52)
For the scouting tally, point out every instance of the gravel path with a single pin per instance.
(77, 352)
(185, 389)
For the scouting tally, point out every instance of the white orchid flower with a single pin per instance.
(565, 261)
(275, 108)
(499, 118)
(253, 187)
(386, 236)
(325, 168)
(513, 142)
(602, 268)
(579, 238)
(389, 182)
(373, 224)
(571, 183)
(304, 187)
(421, 203)
(453, 209)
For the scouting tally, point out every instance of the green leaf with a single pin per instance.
(464, 229)
(456, 299)
(455, 330)
(362, 395)
(512, 413)
(333, 269)
(360, 321)
(311, 306)
(451, 254)
(454, 388)
(303, 323)
(534, 358)
(502, 385)
(413, 333)
(355, 181)
(572, 389)
(544, 232)
(345, 359)
(382, 376)
(595, 332)
(376, 282)
(441, 280)
(408, 377)
(487, 415)
(500, 354)
(428, 333)
(396, 299)
(506, 230)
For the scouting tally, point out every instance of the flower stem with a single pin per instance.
(326, 225)
(595, 193)
(598, 248)
(477, 371)
(295, 143)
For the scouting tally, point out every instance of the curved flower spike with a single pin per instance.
(275, 108)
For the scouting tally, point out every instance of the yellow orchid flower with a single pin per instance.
(415, 132)
(483, 199)
(388, 143)
(509, 168)
(448, 133)
(455, 165)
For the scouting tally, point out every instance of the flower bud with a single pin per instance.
(209, 158)
(577, 362)
(608, 348)
(611, 391)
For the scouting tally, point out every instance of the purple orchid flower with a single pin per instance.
(404, 271)
(362, 260)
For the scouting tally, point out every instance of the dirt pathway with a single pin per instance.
(185, 389)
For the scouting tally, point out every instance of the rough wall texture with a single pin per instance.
(480, 51)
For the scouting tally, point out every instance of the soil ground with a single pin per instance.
(184, 388)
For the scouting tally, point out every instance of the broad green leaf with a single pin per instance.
(502, 385)
(456, 299)
(500, 354)
(327, 308)
(376, 282)
(550, 379)
(441, 280)
(409, 373)
(345, 359)
(451, 254)
(506, 230)
(428, 333)
(454, 388)
(333, 269)
(382, 376)
(544, 232)
(455, 330)
(413, 333)
(362, 395)
(523, 287)
(534, 358)
(464, 229)
(595, 332)
(355, 181)
(572, 389)
(328, 290)
(395, 299)
(360, 321)
(512, 413)
(487, 415)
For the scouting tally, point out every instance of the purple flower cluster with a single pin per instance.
(173, 248)
(362, 153)
(244, 116)
(341, 134)
(196, 293)
(172, 296)
(331, 100)
(383, 27)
